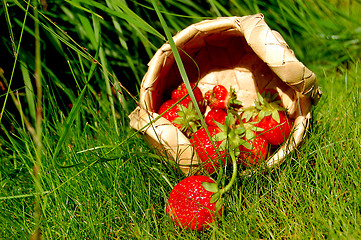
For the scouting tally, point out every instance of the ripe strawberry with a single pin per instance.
(215, 114)
(271, 117)
(205, 149)
(219, 97)
(255, 148)
(268, 95)
(182, 115)
(182, 91)
(277, 127)
(191, 206)
(225, 137)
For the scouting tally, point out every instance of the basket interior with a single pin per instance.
(221, 58)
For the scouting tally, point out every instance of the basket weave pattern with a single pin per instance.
(242, 52)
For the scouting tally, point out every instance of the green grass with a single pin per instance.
(98, 179)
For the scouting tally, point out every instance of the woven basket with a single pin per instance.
(242, 52)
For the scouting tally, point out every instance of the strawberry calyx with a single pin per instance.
(233, 102)
(216, 196)
(188, 119)
(248, 114)
(250, 133)
(266, 107)
(255, 148)
(231, 133)
(272, 117)
(271, 95)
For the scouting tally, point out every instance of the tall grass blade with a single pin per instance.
(29, 92)
(72, 116)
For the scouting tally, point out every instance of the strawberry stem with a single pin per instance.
(234, 175)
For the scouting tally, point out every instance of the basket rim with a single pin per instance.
(291, 71)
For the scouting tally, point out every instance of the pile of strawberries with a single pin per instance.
(233, 135)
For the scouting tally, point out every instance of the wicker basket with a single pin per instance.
(242, 52)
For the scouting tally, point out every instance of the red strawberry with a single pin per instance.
(271, 117)
(191, 206)
(254, 151)
(205, 149)
(172, 114)
(182, 115)
(219, 97)
(215, 114)
(225, 138)
(182, 91)
(268, 95)
(277, 127)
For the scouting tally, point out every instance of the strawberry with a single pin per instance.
(215, 114)
(277, 127)
(207, 152)
(182, 91)
(190, 204)
(219, 97)
(271, 117)
(255, 148)
(182, 115)
(268, 95)
(225, 137)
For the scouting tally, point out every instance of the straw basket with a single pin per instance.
(242, 52)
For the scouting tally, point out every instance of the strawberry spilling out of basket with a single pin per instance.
(250, 132)
(233, 135)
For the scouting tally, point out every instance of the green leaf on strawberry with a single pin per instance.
(231, 133)
(215, 197)
(255, 148)
(219, 204)
(211, 187)
(233, 102)
(248, 114)
(251, 129)
(188, 119)
(267, 108)
(182, 115)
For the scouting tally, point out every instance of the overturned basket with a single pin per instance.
(242, 52)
